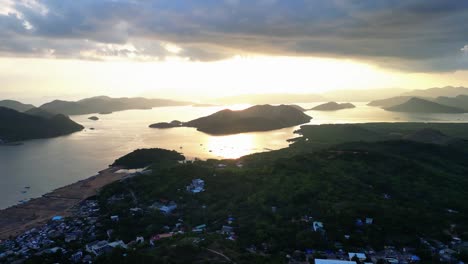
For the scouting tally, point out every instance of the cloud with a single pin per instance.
(465, 49)
(412, 35)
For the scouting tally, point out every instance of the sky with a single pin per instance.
(211, 48)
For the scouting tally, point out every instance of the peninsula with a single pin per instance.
(16, 126)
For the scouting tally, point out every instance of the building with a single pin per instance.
(360, 256)
(317, 226)
(197, 186)
(96, 246)
(333, 261)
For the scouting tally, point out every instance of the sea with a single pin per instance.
(39, 166)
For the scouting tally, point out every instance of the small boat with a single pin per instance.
(23, 191)
(27, 187)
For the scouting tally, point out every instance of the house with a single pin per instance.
(119, 243)
(197, 186)
(164, 206)
(360, 256)
(227, 230)
(71, 237)
(369, 221)
(333, 261)
(167, 209)
(317, 226)
(140, 239)
(159, 237)
(199, 228)
(96, 246)
(114, 218)
(77, 257)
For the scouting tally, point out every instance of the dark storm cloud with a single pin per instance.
(414, 35)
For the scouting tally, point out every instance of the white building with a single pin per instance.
(333, 261)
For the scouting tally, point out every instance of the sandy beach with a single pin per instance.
(36, 212)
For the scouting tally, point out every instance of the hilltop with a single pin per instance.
(105, 104)
(448, 91)
(15, 126)
(460, 101)
(417, 105)
(15, 105)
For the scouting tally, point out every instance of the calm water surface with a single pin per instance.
(47, 164)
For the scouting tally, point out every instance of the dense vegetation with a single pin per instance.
(141, 158)
(411, 190)
(16, 126)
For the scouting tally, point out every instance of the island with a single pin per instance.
(255, 118)
(94, 118)
(141, 158)
(163, 125)
(418, 105)
(333, 106)
(105, 104)
(16, 126)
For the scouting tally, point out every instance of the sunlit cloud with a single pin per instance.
(415, 40)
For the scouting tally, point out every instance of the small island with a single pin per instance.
(418, 105)
(94, 118)
(163, 125)
(141, 158)
(255, 118)
(333, 106)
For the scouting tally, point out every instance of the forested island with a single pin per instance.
(333, 106)
(255, 118)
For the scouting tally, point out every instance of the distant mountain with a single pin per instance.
(15, 105)
(269, 99)
(333, 106)
(104, 104)
(15, 126)
(362, 95)
(417, 105)
(448, 91)
(460, 101)
(389, 102)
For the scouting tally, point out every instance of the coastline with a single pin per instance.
(19, 218)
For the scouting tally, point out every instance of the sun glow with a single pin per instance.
(195, 80)
(232, 146)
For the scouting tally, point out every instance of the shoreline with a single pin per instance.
(19, 218)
